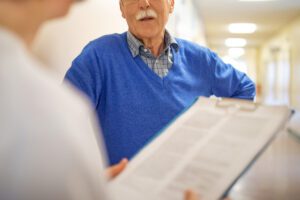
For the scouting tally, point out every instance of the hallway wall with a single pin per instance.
(279, 67)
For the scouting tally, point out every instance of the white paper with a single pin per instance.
(205, 149)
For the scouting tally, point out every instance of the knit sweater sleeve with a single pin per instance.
(228, 81)
(85, 74)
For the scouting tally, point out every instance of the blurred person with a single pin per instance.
(48, 146)
(138, 81)
(48, 149)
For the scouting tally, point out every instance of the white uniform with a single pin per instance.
(48, 149)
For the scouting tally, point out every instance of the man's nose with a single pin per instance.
(144, 4)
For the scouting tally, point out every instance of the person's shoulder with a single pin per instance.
(44, 106)
(62, 105)
(189, 45)
(106, 42)
(193, 48)
(35, 102)
(58, 97)
(65, 97)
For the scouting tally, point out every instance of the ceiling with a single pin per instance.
(269, 16)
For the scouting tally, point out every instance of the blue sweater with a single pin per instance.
(133, 103)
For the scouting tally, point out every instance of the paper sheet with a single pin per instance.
(205, 149)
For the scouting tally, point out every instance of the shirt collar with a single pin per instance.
(135, 45)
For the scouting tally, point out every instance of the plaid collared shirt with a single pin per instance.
(160, 65)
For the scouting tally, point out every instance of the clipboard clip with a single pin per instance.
(236, 104)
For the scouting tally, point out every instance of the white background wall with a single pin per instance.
(280, 67)
(60, 41)
(186, 23)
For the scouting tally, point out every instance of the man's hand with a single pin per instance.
(116, 169)
(191, 195)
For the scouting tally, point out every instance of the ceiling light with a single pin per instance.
(242, 28)
(236, 52)
(235, 42)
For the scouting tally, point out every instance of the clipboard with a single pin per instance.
(293, 125)
(207, 148)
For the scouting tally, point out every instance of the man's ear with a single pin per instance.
(172, 4)
(121, 8)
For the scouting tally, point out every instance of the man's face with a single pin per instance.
(146, 19)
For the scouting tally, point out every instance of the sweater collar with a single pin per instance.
(136, 45)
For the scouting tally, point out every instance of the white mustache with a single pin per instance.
(145, 13)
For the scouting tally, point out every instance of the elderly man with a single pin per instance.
(140, 80)
(48, 147)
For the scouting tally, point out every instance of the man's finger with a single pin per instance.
(191, 195)
(116, 169)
